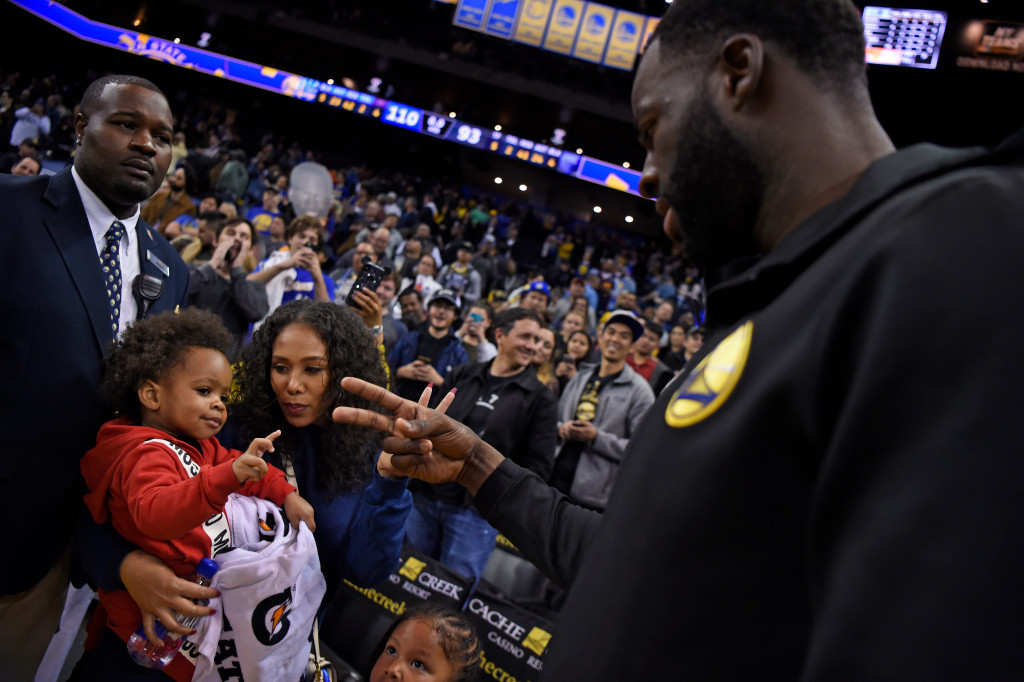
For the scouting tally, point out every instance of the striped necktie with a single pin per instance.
(111, 262)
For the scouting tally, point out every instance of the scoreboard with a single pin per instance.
(353, 101)
(438, 125)
(903, 37)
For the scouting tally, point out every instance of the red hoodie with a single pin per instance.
(154, 503)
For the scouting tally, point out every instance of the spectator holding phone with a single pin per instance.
(473, 333)
(221, 285)
(579, 349)
(430, 351)
(344, 279)
(293, 272)
(391, 327)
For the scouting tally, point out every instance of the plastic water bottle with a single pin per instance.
(156, 656)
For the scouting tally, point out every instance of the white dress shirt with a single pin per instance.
(100, 220)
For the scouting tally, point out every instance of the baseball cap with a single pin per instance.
(539, 286)
(468, 246)
(627, 318)
(31, 142)
(695, 329)
(446, 295)
(497, 295)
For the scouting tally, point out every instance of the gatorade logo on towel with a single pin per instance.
(270, 621)
(712, 381)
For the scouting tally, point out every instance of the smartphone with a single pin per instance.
(369, 278)
(424, 359)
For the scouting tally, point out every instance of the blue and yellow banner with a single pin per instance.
(652, 23)
(502, 18)
(592, 37)
(470, 14)
(609, 175)
(565, 21)
(624, 40)
(315, 91)
(533, 19)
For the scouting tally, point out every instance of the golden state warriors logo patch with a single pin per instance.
(711, 381)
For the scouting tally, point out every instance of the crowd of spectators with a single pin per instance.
(605, 308)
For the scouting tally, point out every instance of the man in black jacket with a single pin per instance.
(823, 495)
(505, 404)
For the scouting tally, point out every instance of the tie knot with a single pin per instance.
(115, 231)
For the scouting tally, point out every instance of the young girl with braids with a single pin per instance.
(429, 643)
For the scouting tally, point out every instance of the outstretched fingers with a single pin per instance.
(442, 407)
(360, 417)
(374, 393)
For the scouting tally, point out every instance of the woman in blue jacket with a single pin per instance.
(290, 377)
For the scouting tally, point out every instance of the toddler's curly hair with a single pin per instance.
(150, 348)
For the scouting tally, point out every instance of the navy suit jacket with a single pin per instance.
(55, 333)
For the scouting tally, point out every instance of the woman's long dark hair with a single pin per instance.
(344, 459)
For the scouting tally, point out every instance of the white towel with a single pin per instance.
(271, 587)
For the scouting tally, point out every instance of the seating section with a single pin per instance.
(514, 634)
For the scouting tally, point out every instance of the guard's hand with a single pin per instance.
(159, 593)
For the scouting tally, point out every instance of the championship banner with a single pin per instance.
(514, 640)
(624, 41)
(358, 617)
(565, 21)
(992, 46)
(470, 14)
(533, 19)
(652, 23)
(592, 37)
(502, 18)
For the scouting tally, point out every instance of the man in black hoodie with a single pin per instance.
(823, 495)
